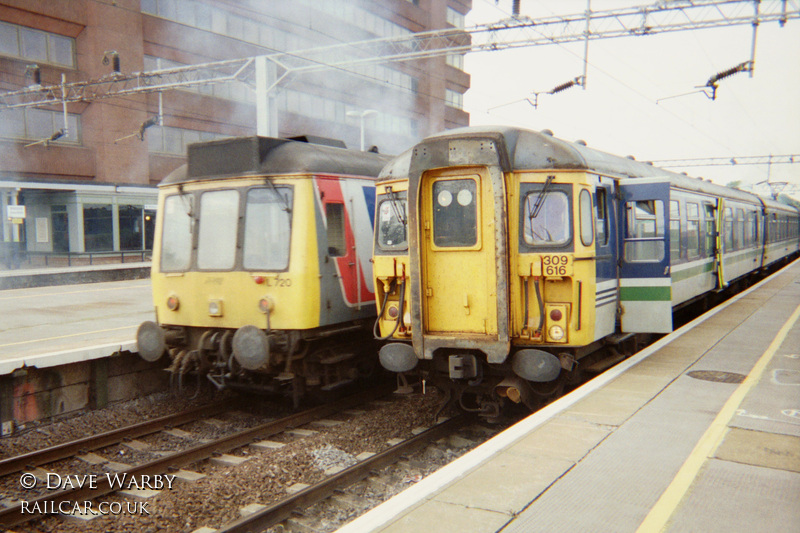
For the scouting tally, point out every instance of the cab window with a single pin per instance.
(267, 229)
(392, 230)
(455, 213)
(546, 218)
(218, 225)
(587, 231)
(176, 239)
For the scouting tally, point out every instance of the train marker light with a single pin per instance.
(392, 311)
(556, 333)
(265, 305)
(173, 303)
(259, 280)
(556, 315)
(215, 307)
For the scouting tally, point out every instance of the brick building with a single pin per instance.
(87, 176)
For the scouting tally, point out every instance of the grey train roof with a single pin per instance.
(523, 149)
(267, 155)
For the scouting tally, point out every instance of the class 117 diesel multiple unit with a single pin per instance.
(506, 260)
(262, 273)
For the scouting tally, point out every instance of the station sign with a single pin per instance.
(15, 213)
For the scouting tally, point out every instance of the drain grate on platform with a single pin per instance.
(717, 376)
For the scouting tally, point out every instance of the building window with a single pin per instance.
(36, 45)
(97, 228)
(58, 213)
(220, 20)
(38, 124)
(130, 227)
(454, 18)
(456, 61)
(454, 99)
(166, 140)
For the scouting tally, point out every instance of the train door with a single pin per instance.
(645, 282)
(720, 248)
(463, 284)
(347, 208)
(606, 257)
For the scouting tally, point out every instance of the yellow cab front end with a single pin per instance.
(553, 271)
(240, 273)
(391, 270)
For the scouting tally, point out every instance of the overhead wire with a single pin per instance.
(711, 137)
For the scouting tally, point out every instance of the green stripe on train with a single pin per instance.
(692, 272)
(645, 294)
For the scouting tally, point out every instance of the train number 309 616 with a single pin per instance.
(555, 265)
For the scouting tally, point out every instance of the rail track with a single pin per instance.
(279, 511)
(15, 515)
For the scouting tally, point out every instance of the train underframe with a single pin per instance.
(471, 384)
(297, 364)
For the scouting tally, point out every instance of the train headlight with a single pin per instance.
(556, 333)
(173, 303)
(215, 307)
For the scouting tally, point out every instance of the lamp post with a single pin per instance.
(362, 115)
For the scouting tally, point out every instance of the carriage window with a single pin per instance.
(550, 225)
(750, 229)
(455, 213)
(674, 230)
(727, 225)
(176, 240)
(392, 231)
(644, 236)
(738, 233)
(602, 217)
(267, 229)
(693, 229)
(337, 246)
(219, 221)
(711, 244)
(587, 234)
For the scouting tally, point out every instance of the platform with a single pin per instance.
(675, 438)
(43, 277)
(57, 325)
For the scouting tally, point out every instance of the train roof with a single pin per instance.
(269, 155)
(522, 149)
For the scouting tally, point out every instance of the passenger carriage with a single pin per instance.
(507, 259)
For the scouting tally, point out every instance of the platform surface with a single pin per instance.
(49, 326)
(667, 440)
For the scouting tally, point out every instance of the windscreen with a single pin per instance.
(267, 229)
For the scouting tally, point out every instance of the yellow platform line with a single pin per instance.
(658, 517)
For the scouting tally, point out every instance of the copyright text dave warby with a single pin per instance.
(122, 481)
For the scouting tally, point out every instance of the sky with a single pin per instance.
(619, 111)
